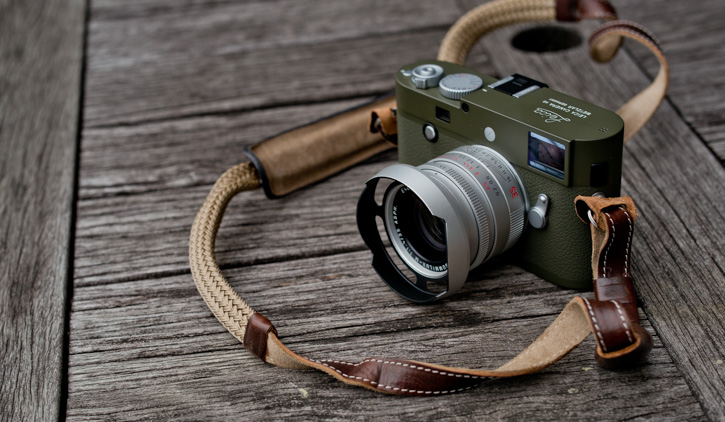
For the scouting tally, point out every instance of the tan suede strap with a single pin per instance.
(330, 145)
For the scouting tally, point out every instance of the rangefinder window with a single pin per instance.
(546, 155)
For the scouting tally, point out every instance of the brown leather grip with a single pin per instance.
(313, 152)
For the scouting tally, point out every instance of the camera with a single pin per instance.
(488, 168)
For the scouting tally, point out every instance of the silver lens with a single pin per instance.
(417, 235)
(488, 203)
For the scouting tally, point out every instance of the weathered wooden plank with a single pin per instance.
(221, 57)
(157, 343)
(678, 252)
(132, 237)
(40, 68)
(163, 195)
(130, 160)
(695, 48)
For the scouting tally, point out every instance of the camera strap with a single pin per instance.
(337, 142)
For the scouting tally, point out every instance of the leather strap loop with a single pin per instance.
(256, 334)
(619, 289)
(576, 10)
(383, 120)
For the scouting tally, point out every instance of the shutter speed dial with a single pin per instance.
(458, 85)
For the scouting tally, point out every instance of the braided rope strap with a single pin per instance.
(499, 13)
(229, 308)
(488, 17)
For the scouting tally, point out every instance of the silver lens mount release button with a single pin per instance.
(426, 76)
(537, 213)
(430, 133)
(458, 85)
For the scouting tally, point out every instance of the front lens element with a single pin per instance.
(418, 236)
(432, 228)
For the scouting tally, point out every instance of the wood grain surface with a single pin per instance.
(176, 89)
(41, 53)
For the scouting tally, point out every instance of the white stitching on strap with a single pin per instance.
(600, 338)
(389, 387)
(624, 320)
(609, 244)
(629, 242)
(338, 361)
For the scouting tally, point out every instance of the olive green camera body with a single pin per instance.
(560, 147)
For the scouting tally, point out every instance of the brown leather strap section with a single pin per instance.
(384, 121)
(313, 152)
(399, 376)
(613, 281)
(619, 289)
(255, 336)
(611, 327)
(576, 10)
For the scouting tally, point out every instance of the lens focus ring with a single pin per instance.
(511, 187)
(495, 194)
(475, 200)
